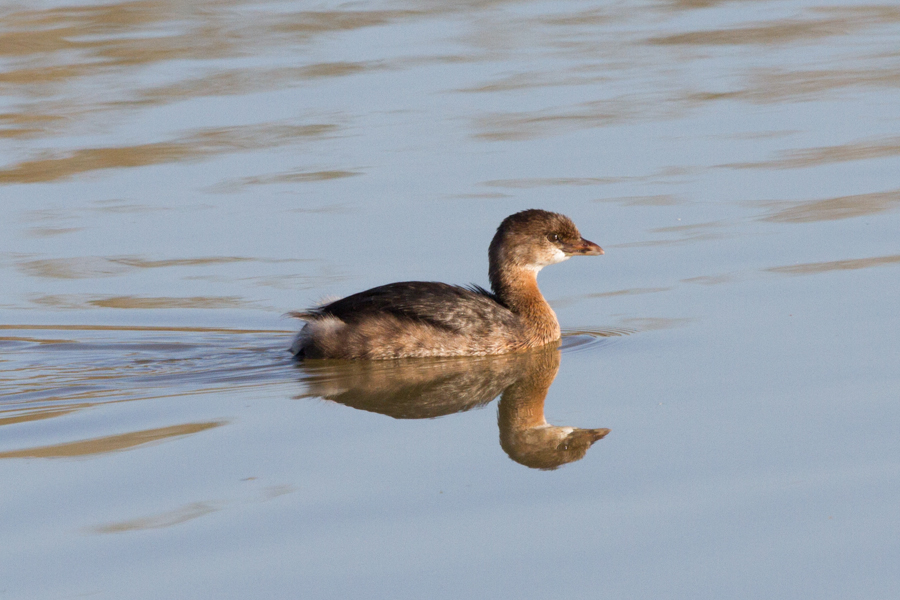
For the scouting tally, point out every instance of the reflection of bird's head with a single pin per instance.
(548, 447)
(429, 388)
(525, 434)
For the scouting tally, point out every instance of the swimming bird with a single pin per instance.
(424, 318)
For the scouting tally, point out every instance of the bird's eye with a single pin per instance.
(554, 237)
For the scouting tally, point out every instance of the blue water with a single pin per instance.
(174, 179)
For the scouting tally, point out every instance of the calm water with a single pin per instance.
(176, 176)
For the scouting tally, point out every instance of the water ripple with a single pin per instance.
(592, 339)
(44, 370)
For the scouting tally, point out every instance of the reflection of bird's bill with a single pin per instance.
(548, 447)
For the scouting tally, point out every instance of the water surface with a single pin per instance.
(175, 178)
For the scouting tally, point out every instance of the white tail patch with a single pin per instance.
(322, 329)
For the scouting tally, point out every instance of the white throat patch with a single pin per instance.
(558, 257)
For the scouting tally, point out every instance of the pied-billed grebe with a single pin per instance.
(423, 318)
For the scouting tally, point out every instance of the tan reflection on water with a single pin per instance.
(113, 443)
(54, 218)
(235, 185)
(188, 512)
(142, 263)
(37, 415)
(657, 200)
(199, 144)
(837, 265)
(656, 323)
(428, 388)
(628, 292)
(515, 126)
(234, 82)
(778, 85)
(811, 157)
(832, 209)
(64, 29)
(685, 239)
(694, 4)
(90, 267)
(167, 519)
(688, 233)
(836, 22)
(208, 30)
(127, 328)
(48, 49)
(51, 231)
(690, 227)
(82, 267)
(166, 302)
(14, 125)
(554, 181)
(710, 279)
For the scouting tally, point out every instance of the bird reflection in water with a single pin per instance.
(428, 388)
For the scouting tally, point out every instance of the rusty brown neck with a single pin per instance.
(517, 288)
